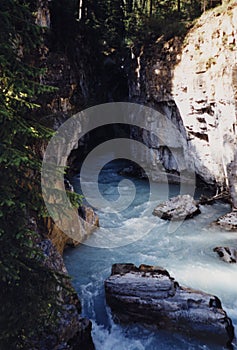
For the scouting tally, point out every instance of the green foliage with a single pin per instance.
(118, 23)
(27, 288)
(75, 199)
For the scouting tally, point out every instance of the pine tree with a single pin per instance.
(27, 288)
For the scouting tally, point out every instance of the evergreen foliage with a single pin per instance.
(28, 290)
(125, 22)
(27, 309)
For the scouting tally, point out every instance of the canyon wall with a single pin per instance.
(69, 71)
(193, 81)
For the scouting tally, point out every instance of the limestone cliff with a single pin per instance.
(193, 81)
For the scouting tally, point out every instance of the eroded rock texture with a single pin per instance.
(228, 221)
(177, 208)
(193, 81)
(149, 294)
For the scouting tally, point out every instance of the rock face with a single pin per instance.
(227, 254)
(60, 240)
(205, 91)
(148, 294)
(192, 80)
(232, 179)
(177, 208)
(71, 74)
(73, 332)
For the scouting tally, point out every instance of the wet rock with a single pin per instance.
(177, 208)
(228, 221)
(133, 171)
(88, 214)
(72, 331)
(232, 179)
(60, 240)
(227, 254)
(149, 294)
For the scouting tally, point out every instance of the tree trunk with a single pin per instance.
(150, 11)
(81, 12)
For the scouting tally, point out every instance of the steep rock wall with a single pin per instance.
(205, 90)
(193, 81)
(70, 74)
(70, 71)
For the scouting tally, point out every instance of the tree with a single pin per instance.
(28, 289)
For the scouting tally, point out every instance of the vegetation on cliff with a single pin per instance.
(28, 303)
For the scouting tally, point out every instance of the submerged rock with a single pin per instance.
(227, 254)
(228, 221)
(177, 208)
(149, 294)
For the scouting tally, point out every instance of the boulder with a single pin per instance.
(149, 294)
(177, 208)
(227, 254)
(228, 221)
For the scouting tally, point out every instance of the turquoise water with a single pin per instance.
(185, 251)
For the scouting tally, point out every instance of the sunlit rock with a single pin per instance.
(228, 221)
(90, 222)
(177, 208)
(149, 294)
(193, 81)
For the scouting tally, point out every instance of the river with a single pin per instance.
(134, 235)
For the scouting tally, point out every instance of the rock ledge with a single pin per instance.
(149, 294)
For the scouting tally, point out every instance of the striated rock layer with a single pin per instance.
(193, 81)
(150, 295)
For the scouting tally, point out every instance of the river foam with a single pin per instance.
(187, 253)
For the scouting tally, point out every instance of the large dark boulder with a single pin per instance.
(149, 294)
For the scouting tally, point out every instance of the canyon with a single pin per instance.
(191, 80)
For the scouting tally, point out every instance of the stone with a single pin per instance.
(227, 254)
(195, 86)
(232, 179)
(133, 171)
(228, 221)
(149, 295)
(88, 214)
(177, 208)
(60, 240)
(72, 331)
